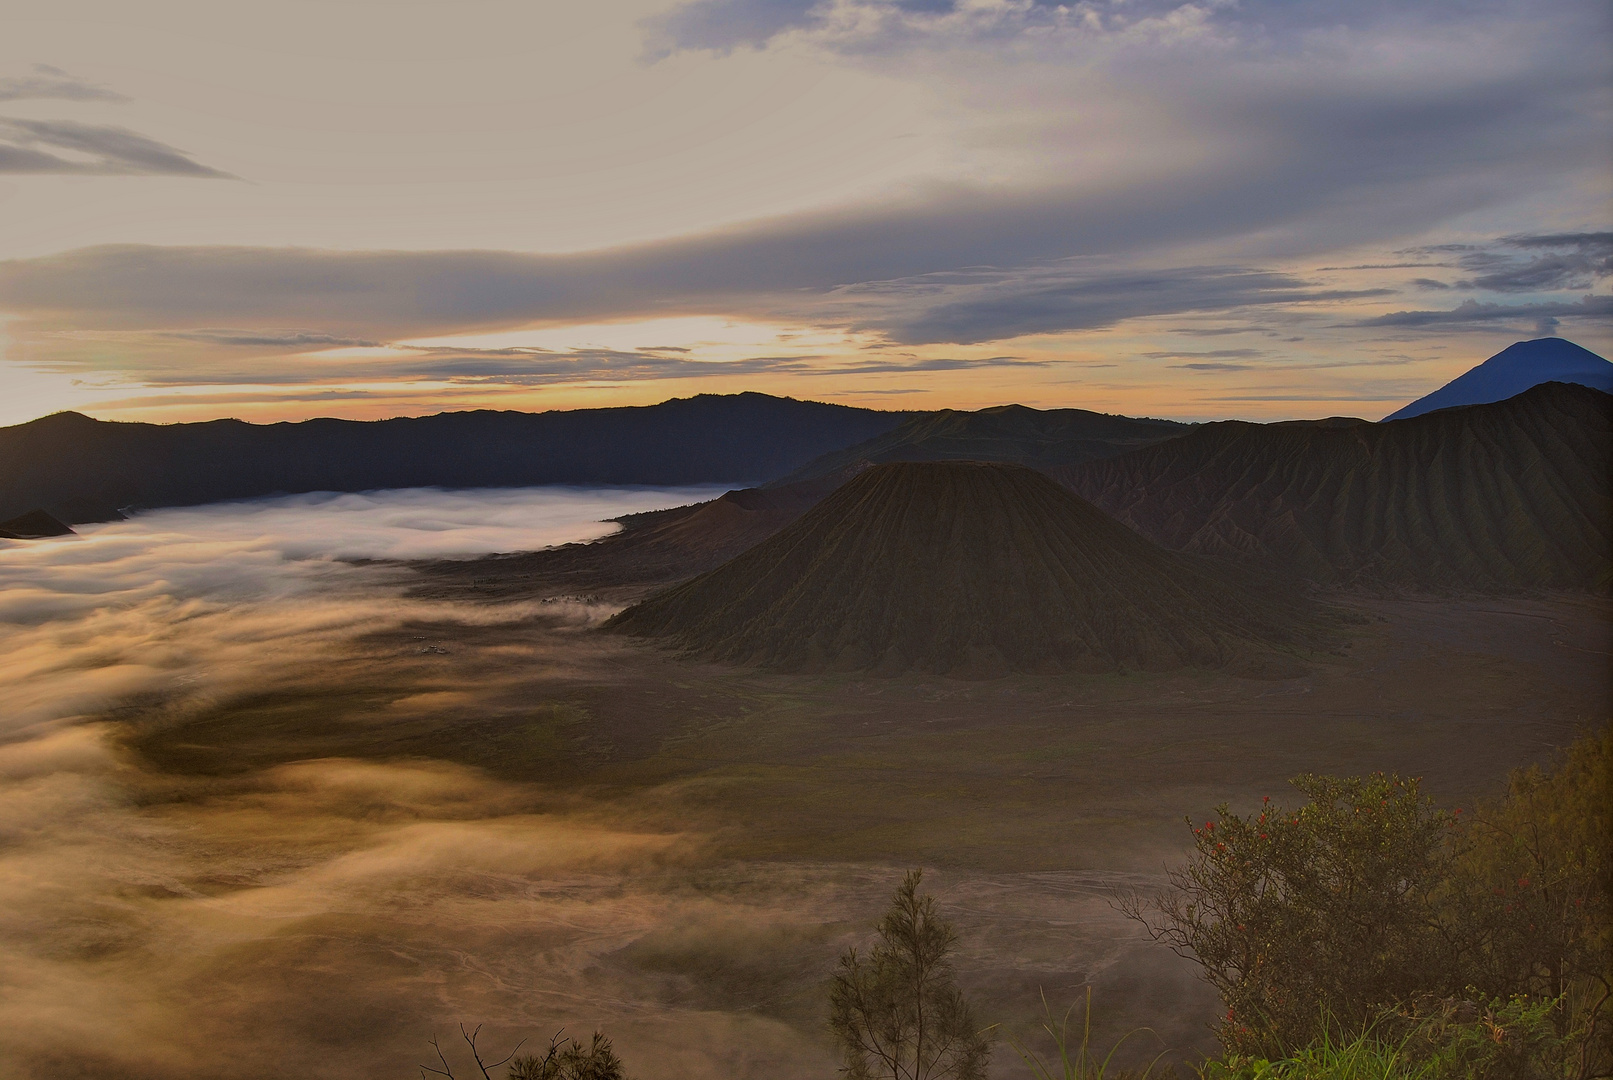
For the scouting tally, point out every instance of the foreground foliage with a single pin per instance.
(1080, 1060)
(1511, 1040)
(1314, 924)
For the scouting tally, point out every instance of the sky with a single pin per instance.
(1253, 208)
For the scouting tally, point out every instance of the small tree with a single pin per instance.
(898, 1013)
(1311, 917)
(597, 1062)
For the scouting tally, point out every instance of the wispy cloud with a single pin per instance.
(53, 82)
(1076, 295)
(95, 149)
(1218, 354)
(1474, 312)
(1549, 262)
(275, 339)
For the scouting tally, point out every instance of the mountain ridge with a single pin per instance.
(80, 469)
(1038, 438)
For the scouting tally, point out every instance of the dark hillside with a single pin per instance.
(1509, 495)
(966, 568)
(1034, 437)
(81, 469)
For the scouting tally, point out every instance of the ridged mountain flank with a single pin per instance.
(1499, 497)
(964, 568)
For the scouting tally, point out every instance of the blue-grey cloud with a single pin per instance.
(53, 82)
(1474, 312)
(36, 146)
(1550, 262)
(722, 25)
(1060, 299)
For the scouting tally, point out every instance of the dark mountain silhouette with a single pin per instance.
(1035, 437)
(34, 525)
(81, 469)
(1512, 371)
(967, 568)
(1502, 496)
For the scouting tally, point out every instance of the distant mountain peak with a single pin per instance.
(1518, 367)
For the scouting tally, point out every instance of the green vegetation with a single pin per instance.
(1510, 1040)
(1080, 1061)
(1328, 907)
(1365, 926)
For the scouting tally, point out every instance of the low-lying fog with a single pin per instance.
(265, 813)
(321, 917)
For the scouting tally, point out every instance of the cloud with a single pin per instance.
(276, 339)
(96, 149)
(1223, 354)
(53, 82)
(992, 305)
(794, 274)
(1220, 331)
(1475, 313)
(721, 25)
(1579, 261)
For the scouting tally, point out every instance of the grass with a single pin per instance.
(1085, 1063)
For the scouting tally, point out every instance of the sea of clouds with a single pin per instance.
(325, 915)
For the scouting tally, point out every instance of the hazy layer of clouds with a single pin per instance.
(161, 576)
(325, 915)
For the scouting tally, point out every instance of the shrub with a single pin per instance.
(1322, 911)
(1528, 896)
(1367, 902)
